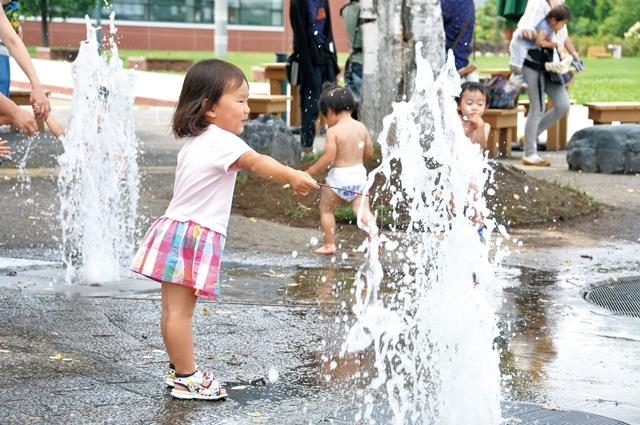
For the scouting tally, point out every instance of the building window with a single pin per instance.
(241, 12)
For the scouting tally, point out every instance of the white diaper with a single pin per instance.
(347, 182)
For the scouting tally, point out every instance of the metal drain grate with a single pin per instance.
(622, 296)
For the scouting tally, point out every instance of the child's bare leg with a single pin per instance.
(328, 202)
(178, 303)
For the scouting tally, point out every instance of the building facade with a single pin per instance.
(254, 25)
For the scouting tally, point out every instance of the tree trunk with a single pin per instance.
(391, 29)
(44, 16)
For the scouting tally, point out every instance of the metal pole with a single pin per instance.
(222, 17)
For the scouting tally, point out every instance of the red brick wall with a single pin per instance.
(169, 38)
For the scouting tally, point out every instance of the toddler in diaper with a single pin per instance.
(347, 144)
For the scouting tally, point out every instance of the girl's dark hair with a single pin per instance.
(560, 13)
(473, 86)
(336, 98)
(203, 86)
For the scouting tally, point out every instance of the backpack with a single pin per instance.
(503, 92)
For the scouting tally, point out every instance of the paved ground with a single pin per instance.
(97, 348)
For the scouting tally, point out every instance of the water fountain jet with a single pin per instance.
(98, 181)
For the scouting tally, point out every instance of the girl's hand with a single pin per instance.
(40, 103)
(302, 182)
(5, 150)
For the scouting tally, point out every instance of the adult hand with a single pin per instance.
(24, 121)
(40, 103)
(530, 34)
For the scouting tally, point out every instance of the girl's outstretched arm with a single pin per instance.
(270, 169)
(55, 127)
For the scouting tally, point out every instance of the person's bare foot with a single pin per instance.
(326, 250)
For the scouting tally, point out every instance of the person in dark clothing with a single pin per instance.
(314, 48)
(350, 13)
(459, 17)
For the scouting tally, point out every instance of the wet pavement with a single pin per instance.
(93, 353)
(99, 346)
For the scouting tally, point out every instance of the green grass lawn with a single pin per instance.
(244, 60)
(603, 80)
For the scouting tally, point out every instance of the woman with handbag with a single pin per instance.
(539, 82)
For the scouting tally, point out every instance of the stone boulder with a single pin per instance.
(610, 149)
(270, 136)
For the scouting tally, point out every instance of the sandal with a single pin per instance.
(198, 386)
(535, 160)
(171, 374)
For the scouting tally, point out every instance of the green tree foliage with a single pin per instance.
(46, 10)
(623, 14)
(58, 8)
(488, 24)
(603, 17)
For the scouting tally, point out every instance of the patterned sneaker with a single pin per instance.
(171, 374)
(199, 386)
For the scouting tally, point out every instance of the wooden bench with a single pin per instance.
(557, 133)
(274, 104)
(68, 54)
(20, 97)
(143, 63)
(504, 130)
(607, 112)
(594, 52)
(275, 73)
(495, 72)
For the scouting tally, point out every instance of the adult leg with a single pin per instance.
(309, 95)
(328, 202)
(561, 104)
(536, 110)
(178, 303)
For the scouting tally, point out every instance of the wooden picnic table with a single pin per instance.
(274, 104)
(607, 112)
(276, 73)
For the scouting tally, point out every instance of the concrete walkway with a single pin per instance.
(57, 77)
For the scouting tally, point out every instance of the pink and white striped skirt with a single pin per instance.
(181, 252)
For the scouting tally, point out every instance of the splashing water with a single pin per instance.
(98, 181)
(433, 337)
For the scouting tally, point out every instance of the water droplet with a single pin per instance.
(273, 375)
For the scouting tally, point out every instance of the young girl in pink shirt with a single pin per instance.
(183, 249)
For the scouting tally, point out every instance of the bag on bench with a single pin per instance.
(503, 92)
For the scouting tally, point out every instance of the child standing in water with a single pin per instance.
(183, 249)
(347, 145)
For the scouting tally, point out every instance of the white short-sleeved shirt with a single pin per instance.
(205, 179)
